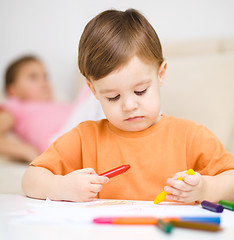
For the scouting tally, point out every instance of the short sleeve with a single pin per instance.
(12, 106)
(63, 156)
(207, 154)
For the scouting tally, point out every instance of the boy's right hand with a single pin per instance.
(82, 185)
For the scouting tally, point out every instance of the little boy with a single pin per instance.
(121, 57)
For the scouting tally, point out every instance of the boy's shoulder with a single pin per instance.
(179, 121)
(181, 124)
(92, 125)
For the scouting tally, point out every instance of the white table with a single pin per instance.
(11, 229)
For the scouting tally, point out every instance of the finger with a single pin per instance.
(95, 188)
(187, 199)
(92, 195)
(178, 175)
(192, 180)
(180, 185)
(99, 179)
(175, 198)
(175, 191)
(89, 196)
(88, 171)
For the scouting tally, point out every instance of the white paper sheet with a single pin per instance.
(59, 212)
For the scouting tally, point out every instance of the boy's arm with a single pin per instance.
(206, 153)
(219, 187)
(80, 185)
(40, 183)
(11, 145)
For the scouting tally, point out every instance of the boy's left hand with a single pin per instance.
(189, 190)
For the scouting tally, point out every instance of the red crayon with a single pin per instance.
(116, 171)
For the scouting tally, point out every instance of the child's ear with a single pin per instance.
(90, 84)
(161, 72)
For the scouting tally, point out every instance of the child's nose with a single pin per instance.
(129, 104)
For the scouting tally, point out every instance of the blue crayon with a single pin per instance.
(215, 220)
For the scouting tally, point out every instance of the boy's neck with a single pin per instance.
(158, 118)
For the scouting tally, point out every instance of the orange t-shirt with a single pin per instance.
(155, 154)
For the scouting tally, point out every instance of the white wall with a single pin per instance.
(52, 28)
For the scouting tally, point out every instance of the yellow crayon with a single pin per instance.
(162, 196)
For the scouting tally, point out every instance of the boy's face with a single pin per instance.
(130, 96)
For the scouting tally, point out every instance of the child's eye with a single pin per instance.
(33, 76)
(140, 92)
(114, 98)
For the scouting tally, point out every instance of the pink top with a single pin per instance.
(36, 122)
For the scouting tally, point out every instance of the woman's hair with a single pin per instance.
(13, 69)
(112, 38)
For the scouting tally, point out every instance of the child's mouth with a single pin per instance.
(136, 118)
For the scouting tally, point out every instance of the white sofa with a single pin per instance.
(199, 86)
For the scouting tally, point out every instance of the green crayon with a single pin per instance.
(227, 204)
(165, 226)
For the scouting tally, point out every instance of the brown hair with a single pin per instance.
(13, 69)
(111, 38)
